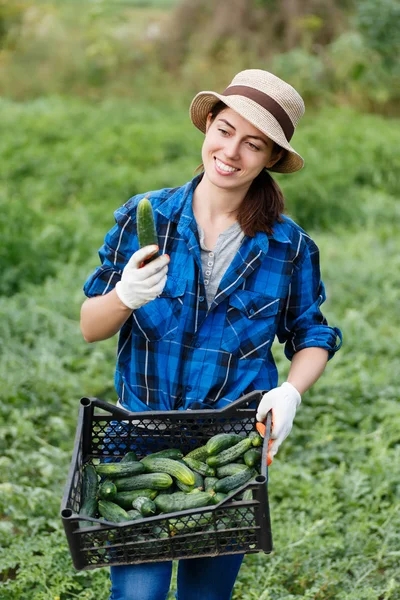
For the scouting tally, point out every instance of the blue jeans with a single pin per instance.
(210, 578)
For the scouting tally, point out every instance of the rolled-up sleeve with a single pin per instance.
(119, 245)
(302, 324)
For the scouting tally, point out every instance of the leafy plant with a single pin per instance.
(379, 26)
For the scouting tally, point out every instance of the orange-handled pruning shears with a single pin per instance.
(261, 428)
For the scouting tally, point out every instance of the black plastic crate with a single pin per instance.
(105, 431)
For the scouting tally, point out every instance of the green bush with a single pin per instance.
(379, 24)
(346, 154)
(336, 53)
(305, 72)
(59, 193)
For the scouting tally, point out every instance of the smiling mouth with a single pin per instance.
(223, 167)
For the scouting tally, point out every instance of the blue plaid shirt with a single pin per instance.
(176, 349)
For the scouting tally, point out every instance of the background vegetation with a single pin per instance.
(94, 104)
(336, 51)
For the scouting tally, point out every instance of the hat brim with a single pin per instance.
(203, 103)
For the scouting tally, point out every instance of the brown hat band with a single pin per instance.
(266, 102)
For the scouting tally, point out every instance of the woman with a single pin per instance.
(197, 323)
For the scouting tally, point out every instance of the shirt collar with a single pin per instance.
(179, 206)
(279, 234)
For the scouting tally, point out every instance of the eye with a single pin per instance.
(253, 146)
(223, 132)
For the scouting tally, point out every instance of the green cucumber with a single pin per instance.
(256, 439)
(221, 442)
(120, 469)
(173, 453)
(134, 514)
(247, 494)
(209, 482)
(198, 484)
(231, 482)
(125, 499)
(243, 516)
(252, 457)
(146, 229)
(90, 483)
(230, 469)
(88, 509)
(172, 467)
(113, 512)
(107, 490)
(179, 526)
(180, 501)
(218, 497)
(199, 481)
(129, 457)
(229, 455)
(199, 467)
(155, 481)
(235, 494)
(145, 506)
(185, 488)
(199, 453)
(90, 486)
(159, 532)
(172, 488)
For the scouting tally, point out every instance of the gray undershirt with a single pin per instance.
(215, 262)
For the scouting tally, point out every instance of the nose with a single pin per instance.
(232, 149)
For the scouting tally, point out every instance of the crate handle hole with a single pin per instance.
(66, 513)
(261, 479)
(86, 401)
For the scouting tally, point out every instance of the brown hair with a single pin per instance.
(264, 202)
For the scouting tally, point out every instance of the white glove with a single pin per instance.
(139, 285)
(283, 401)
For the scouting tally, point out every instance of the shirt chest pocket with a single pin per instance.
(250, 324)
(159, 319)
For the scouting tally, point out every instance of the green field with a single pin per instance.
(65, 166)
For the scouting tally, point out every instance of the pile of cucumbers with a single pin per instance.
(168, 481)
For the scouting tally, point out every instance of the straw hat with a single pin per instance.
(265, 101)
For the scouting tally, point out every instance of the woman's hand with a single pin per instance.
(307, 366)
(139, 285)
(283, 401)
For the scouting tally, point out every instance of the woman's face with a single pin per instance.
(234, 151)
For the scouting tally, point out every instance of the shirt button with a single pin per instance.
(208, 272)
(206, 281)
(251, 311)
(201, 299)
(211, 254)
(189, 388)
(197, 345)
(210, 263)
